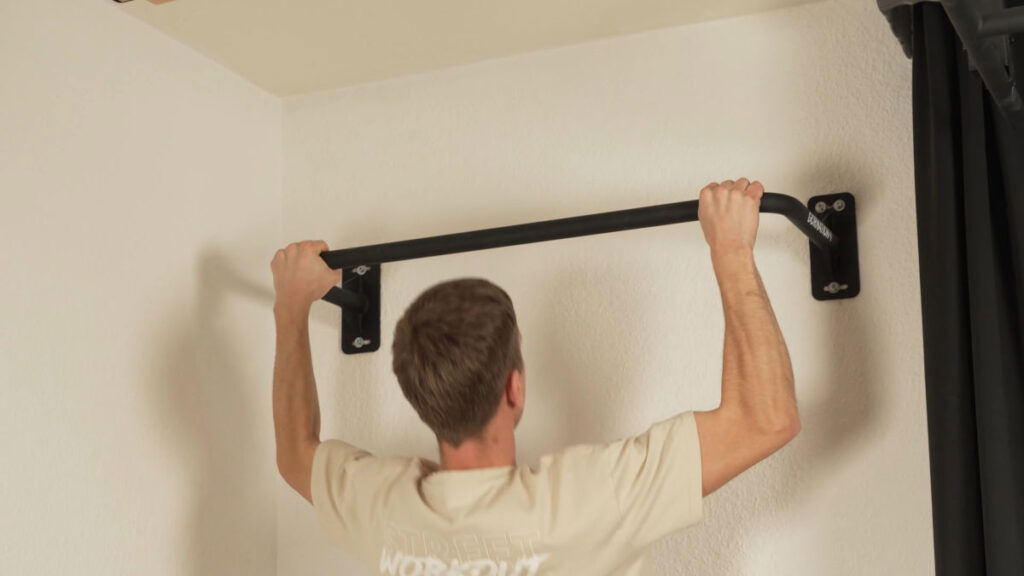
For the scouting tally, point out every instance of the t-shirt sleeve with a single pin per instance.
(656, 477)
(336, 488)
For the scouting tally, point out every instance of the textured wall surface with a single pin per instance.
(141, 191)
(622, 330)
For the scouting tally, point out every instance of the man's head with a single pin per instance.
(457, 356)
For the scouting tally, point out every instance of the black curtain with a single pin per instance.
(969, 170)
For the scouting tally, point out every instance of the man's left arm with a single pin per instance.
(300, 278)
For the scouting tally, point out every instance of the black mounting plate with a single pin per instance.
(836, 277)
(360, 332)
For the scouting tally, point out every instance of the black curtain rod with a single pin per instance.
(819, 234)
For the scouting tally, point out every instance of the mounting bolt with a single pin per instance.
(820, 207)
(839, 205)
(834, 287)
(361, 269)
(360, 342)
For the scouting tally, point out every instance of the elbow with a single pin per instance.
(777, 427)
(784, 428)
(291, 476)
(283, 468)
(790, 427)
(779, 420)
(295, 463)
(286, 467)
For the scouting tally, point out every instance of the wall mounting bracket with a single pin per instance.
(835, 274)
(360, 328)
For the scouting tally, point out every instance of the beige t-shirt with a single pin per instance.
(590, 509)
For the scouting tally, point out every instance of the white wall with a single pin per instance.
(622, 330)
(142, 201)
(141, 191)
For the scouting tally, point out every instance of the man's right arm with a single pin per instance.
(757, 414)
(658, 478)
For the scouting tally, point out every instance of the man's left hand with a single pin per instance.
(301, 276)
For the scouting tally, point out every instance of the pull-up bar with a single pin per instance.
(828, 221)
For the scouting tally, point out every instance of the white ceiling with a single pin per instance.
(297, 46)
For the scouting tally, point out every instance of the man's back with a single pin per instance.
(456, 353)
(588, 509)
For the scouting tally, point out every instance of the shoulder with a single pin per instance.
(671, 431)
(337, 463)
(571, 457)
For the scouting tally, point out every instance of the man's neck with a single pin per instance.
(490, 451)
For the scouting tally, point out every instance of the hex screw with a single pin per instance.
(360, 342)
(839, 205)
(361, 269)
(820, 207)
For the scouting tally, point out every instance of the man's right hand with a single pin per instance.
(757, 415)
(728, 214)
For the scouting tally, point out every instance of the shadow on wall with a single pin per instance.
(205, 401)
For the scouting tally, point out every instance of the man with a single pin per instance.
(586, 510)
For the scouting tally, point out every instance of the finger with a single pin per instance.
(756, 188)
(726, 184)
(321, 246)
(742, 184)
(711, 186)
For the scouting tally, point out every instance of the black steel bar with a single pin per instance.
(346, 299)
(818, 233)
(618, 220)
